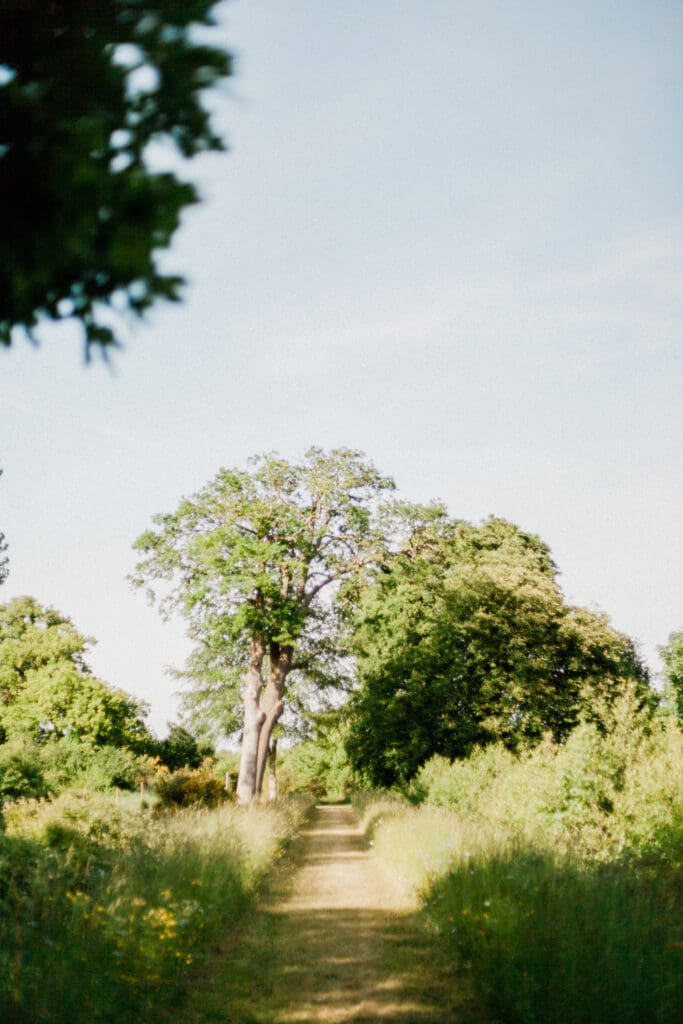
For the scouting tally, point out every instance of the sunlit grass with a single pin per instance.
(554, 880)
(106, 912)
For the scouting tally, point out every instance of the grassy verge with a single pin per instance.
(559, 942)
(107, 911)
(554, 879)
(541, 937)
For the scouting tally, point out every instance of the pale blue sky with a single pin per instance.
(450, 234)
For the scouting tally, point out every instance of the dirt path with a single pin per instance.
(338, 943)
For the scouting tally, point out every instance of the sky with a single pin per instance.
(449, 234)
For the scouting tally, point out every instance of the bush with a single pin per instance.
(69, 763)
(189, 787)
(21, 771)
(180, 749)
(461, 785)
(317, 766)
(605, 793)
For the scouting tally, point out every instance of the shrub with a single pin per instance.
(21, 772)
(611, 790)
(317, 766)
(190, 787)
(461, 785)
(180, 749)
(70, 763)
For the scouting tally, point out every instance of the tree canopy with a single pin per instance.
(85, 87)
(257, 562)
(48, 692)
(180, 749)
(465, 638)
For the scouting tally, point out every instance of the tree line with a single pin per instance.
(60, 725)
(312, 593)
(312, 582)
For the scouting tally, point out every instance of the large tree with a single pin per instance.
(85, 87)
(256, 562)
(47, 690)
(465, 638)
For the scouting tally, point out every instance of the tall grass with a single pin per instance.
(106, 912)
(561, 942)
(554, 879)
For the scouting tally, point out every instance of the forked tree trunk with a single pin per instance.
(272, 705)
(254, 718)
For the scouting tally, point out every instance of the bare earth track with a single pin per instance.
(336, 942)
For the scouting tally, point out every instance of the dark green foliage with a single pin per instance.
(180, 749)
(21, 773)
(672, 655)
(85, 86)
(465, 639)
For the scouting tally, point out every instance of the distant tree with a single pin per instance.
(465, 639)
(33, 637)
(85, 87)
(672, 656)
(255, 562)
(59, 701)
(320, 764)
(46, 689)
(180, 749)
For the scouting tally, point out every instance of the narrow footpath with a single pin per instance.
(336, 942)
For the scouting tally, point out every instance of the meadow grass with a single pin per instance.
(554, 879)
(557, 941)
(107, 911)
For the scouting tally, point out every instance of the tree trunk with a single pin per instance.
(272, 770)
(254, 719)
(280, 665)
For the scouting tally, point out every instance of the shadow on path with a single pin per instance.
(340, 944)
